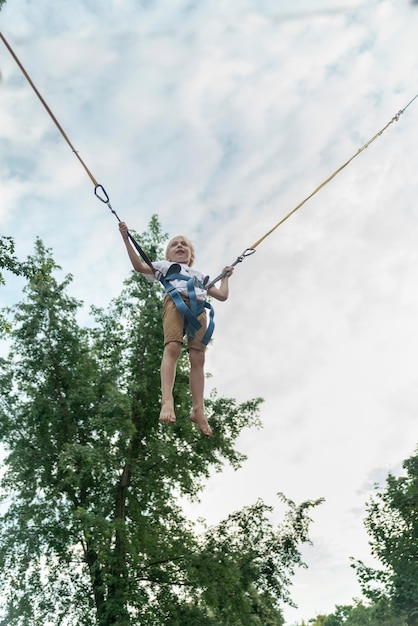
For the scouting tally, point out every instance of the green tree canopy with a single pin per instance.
(10, 263)
(379, 613)
(92, 531)
(392, 523)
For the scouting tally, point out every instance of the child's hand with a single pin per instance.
(123, 230)
(221, 292)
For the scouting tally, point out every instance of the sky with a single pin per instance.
(221, 118)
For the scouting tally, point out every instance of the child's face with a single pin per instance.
(180, 250)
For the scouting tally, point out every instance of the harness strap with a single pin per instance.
(211, 324)
(196, 308)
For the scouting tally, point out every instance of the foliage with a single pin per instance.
(92, 531)
(8, 260)
(379, 613)
(392, 523)
(10, 263)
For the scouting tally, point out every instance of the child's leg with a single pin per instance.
(197, 386)
(168, 375)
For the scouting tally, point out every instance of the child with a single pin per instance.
(180, 256)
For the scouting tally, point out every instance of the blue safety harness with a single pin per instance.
(190, 313)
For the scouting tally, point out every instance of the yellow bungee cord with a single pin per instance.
(251, 249)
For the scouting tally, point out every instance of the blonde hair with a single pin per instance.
(189, 243)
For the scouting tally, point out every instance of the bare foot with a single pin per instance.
(198, 417)
(167, 415)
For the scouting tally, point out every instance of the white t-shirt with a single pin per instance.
(162, 267)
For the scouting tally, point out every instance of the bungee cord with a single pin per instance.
(99, 190)
(251, 249)
(395, 118)
(102, 195)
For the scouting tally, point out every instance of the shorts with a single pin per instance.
(173, 324)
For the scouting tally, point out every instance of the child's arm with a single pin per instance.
(137, 264)
(222, 292)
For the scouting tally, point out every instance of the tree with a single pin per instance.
(392, 523)
(93, 532)
(9, 262)
(378, 613)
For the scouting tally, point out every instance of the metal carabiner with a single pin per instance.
(100, 189)
(239, 259)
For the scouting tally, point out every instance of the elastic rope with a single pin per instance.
(251, 249)
(99, 190)
(395, 118)
(54, 119)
